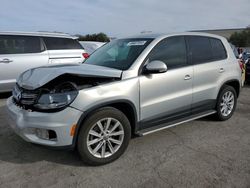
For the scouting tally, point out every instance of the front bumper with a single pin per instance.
(25, 122)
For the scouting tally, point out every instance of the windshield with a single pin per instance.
(119, 54)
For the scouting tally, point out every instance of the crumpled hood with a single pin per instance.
(37, 77)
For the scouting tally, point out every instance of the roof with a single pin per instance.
(42, 34)
(148, 35)
(155, 35)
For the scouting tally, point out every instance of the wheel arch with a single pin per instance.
(234, 83)
(125, 106)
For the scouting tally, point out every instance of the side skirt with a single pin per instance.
(174, 123)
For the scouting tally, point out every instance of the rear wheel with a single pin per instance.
(226, 103)
(104, 136)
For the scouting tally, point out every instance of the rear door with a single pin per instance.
(64, 50)
(17, 54)
(208, 56)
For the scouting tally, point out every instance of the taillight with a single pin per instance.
(85, 55)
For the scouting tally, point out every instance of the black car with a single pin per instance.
(248, 68)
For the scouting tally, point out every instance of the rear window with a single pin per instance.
(55, 43)
(199, 49)
(218, 49)
(10, 44)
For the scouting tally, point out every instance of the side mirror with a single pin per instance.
(155, 67)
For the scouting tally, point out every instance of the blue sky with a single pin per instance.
(122, 17)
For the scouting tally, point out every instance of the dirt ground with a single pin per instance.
(202, 153)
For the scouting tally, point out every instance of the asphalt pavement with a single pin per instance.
(201, 153)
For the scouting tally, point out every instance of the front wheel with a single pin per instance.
(226, 103)
(104, 136)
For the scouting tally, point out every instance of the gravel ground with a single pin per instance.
(202, 153)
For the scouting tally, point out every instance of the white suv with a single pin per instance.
(22, 51)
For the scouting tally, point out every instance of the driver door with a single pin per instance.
(167, 96)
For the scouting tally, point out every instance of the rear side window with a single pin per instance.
(10, 44)
(200, 49)
(219, 52)
(55, 43)
(236, 53)
(172, 51)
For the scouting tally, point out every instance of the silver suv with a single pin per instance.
(22, 51)
(131, 86)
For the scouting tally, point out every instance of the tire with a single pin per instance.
(88, 141)
(228, 111)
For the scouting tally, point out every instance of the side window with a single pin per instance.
(236, 53)
(200, 49)
(218, 49)
(56, 43)
(172, 51)
(10, 44)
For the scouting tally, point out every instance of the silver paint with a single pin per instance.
(151, 94)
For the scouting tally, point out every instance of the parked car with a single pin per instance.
(131, 86)
(243, 70)
(22, 51)
(248, 55)
(91, 46)
(247, 68)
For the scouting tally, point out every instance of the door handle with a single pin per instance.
(221, 70)
(6, 61)
(187, 77)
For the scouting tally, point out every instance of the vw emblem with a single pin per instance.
(18, 96)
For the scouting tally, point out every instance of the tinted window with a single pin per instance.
(200, 49)
(234, 50)
(19, 44)
(118, 54)
(218, 49)
(172, 51)
(55, 43)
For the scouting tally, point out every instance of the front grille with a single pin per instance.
(23, 97)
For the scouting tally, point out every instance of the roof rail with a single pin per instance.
(39, 33)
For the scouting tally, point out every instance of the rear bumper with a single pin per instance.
(25, 124)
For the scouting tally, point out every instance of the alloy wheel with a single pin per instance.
(227, 103)
(105, 137)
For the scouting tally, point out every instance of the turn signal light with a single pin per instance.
(73, 130)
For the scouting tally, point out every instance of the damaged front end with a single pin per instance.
(57, 93)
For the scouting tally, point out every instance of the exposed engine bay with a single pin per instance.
(56, 94)
(78, 81)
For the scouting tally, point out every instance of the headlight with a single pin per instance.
(61, 97)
